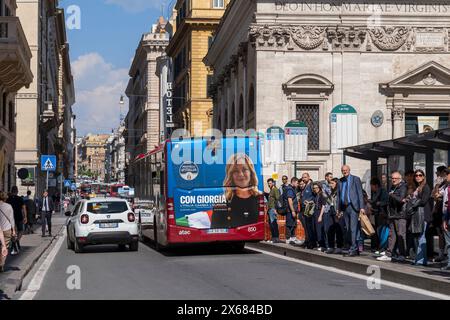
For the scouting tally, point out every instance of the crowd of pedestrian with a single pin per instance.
(337, 215)
(18, 215)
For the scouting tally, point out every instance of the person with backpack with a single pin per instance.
(334, 226)
(307, 211)
(378, 202)
(31, 212)
(291, 206)
(273, 199)
(446, 218)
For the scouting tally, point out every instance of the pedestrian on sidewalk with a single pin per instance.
(31, 212)
(273, 198)
(307, 220)
(20, 212)
(446, 218)
(351, 204)
(334, 225)
(290, 201)
(397, 219)
(378, 202)
(435, 227)
(46, 209)
(422, 206)
(4, 248)
(319, 209)
(7, 225)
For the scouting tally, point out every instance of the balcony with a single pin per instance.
(15, 55)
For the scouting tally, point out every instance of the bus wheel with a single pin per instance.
(237, 247)
(155, 237)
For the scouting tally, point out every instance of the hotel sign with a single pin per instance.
(351, 7)
(169, 106)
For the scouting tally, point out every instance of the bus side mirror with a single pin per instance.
(68, 213)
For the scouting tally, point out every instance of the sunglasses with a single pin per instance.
(419, 175)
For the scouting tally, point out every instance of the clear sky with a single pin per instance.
(101, 53)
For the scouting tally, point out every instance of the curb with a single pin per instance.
(408, 276)
(14, 283)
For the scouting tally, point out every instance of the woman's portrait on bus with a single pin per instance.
(241, 194)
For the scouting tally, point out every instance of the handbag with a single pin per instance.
(366, 226)
(411, 206)
(309, 209)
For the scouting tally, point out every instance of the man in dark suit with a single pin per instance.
(351, 205)
(46, 209)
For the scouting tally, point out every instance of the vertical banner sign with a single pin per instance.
(296, 141)
(344, 127)
(169, 106)
(274, 151)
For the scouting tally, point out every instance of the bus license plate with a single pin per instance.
(216, 231)
(109, 225)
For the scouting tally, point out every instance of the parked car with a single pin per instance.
(102, 221)
(145, 211)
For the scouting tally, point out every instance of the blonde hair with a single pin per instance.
(236, 159)
(3, 196)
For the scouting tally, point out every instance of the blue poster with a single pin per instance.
(215, 185)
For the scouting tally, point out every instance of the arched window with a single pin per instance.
(251, 118)
(241, 113)
(233, 117)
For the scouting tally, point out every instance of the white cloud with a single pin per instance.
(98, 88)
(135, 6)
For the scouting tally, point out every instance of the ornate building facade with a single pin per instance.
(45, 120)
(15, 73)
(142, 122)
(196, 20)
(387, 63)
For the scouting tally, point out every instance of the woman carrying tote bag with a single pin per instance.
(7, 227)
(419, 210)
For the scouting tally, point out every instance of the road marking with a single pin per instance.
(357, 276)
(38, 278)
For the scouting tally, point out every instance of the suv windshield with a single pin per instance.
(107, 207)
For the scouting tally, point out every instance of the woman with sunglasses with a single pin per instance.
(423, 207)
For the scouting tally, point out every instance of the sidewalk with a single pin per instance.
(33, 247)
(429, 278)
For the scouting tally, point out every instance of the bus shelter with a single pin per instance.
(425, 151)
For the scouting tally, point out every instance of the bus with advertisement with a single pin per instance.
(205, 190)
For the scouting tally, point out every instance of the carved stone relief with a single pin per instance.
(389, 38)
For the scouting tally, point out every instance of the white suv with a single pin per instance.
(102, 221)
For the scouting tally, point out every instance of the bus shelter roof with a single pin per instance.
(426, 142)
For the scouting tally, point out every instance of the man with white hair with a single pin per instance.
(351, 205)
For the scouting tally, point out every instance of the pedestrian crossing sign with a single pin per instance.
(48, 163)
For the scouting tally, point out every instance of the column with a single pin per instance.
(398, 123)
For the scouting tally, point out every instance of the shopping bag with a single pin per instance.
(366, 226)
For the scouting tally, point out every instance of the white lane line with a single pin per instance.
(357, 276)
(38, 278)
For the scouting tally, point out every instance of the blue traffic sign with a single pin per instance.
(48, 163)
(73, 187)
(67, 183)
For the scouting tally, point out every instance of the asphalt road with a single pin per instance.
(107, 273)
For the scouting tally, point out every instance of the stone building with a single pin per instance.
(93, 156)
(142, 123)
(45, 121)
(354, 72)
(196, 20)
(15, 73)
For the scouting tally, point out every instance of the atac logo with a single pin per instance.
(184, 233)
(189, 171)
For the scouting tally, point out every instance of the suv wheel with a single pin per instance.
(78, 247)
(70, 244)
(134, 246)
